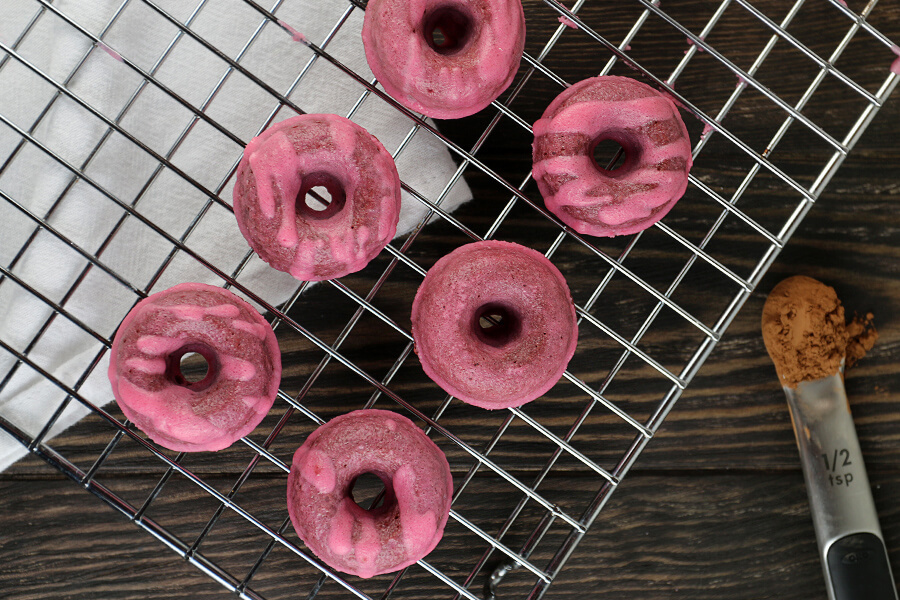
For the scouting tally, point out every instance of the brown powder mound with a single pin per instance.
(861, 336)
(805, 332)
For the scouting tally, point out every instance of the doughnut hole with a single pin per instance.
(614, 153)
(609, 155)
(497, 324)
(321, 196)
(373, 492)
(447, 30)
(193, 366)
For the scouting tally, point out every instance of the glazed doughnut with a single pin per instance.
(444, 58)
(628, 199)
(519, 356)
(243, 367)
(285, 162)
(418, 490)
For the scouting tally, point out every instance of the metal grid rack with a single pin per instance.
(535, 531)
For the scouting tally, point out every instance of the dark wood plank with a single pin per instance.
(670, 535)
(658, 539)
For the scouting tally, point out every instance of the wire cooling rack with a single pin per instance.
(644, 333)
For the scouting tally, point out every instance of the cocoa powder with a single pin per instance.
(805, 331)
(861, 337)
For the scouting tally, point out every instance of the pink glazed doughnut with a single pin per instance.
(499, 365)
(444, 58)
(418, 491)
(285, 162)
(242, 355)
(631, 198)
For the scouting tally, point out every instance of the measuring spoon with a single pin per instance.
(851, 545)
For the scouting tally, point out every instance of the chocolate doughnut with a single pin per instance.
(494, 324)
(588, 197)
(444, 58)
(285, 162)
(243, 367)
(409, 522)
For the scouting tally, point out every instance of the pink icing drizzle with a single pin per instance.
(418, 527)
(699, 48)
(263, 159)
(256, 403)
(253, 329)
(895, 66)
(157, 344)
(193, 312)
(568, 22)
(341, 534)
(154, 366)
(110, 51)
(349, 517)
(296, 35)
(229, 311)
(585, 116)
(369, 545)
(236, 368)
(318, 469)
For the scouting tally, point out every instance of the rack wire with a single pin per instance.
(528, 531)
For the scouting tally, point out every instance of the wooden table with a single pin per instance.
(715, 507)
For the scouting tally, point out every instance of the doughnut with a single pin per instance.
(282, 164)
(444, 58)
(243, 367)
(586, 196)
(393, 535)
(494, 324)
